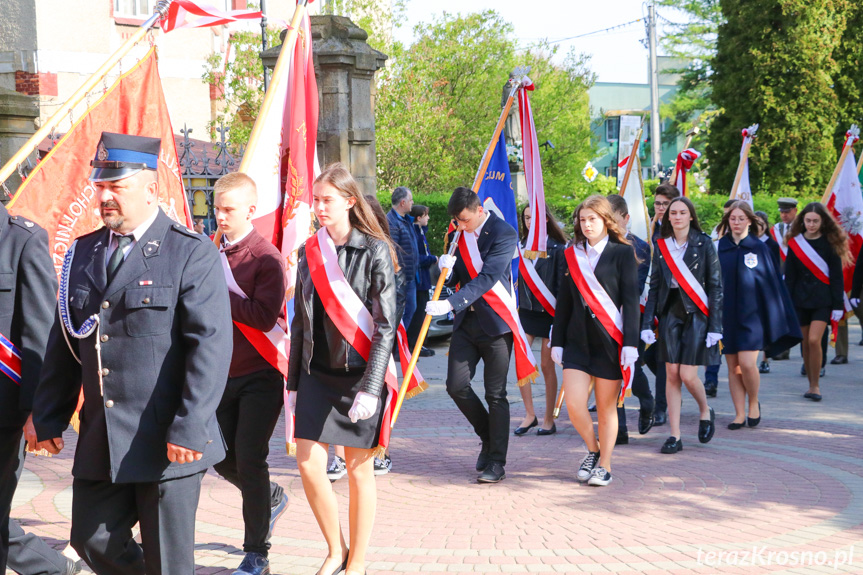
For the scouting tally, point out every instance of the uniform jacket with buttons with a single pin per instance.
(28, 288)
(165, 338)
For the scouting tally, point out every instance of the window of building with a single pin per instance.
(133, 8)
(612, 129)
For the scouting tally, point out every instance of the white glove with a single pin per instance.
(647, 336)
(365, 405)
(628, 356)
(855, 301)
(712, 339)
(292, 402)
(440, 307)
(557, 355)
(447, 262)
(837, 315)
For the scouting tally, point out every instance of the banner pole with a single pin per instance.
(21, 155)
(630, 162)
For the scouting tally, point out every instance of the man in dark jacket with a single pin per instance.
(404, 237)
(145, 330)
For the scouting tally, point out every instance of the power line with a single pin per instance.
(597, 31)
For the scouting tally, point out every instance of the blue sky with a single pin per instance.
(616, 56)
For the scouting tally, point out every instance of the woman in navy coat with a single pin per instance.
(757, 312)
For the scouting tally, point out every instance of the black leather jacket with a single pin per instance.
(372, 277)
(703, 262)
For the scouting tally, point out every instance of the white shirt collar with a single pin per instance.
(599, 247)
(238, 240)
(679, 246)
(139, 232)
(479, 229)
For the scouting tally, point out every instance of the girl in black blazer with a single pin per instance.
(536, 321)
(816, 302)
(687, 337)
(580, 343)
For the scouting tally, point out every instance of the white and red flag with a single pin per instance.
(537, 235)
(743, 192)
(685, 160)
(639, 217)
(845, 202)
(179, 11)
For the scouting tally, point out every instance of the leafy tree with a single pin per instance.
(774, 65)
(849, 79)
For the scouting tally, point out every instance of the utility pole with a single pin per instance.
(264, 39)
(655, 136)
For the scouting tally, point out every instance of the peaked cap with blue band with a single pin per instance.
(119, 156)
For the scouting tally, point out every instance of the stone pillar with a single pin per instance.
(345, 67)
(18, 114)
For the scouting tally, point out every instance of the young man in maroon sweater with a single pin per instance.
(252, 401)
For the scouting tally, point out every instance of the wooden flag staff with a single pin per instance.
(159, 12)
(751, 131)
(518, 75)
(851, 137)
(630, 162)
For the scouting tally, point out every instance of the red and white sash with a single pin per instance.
(810, 258)
(272, 345)
(783, 247)
(537, 287)
(600, 303)
(10, 360)
(417, 384)
(684, 277)
(348, 313)
(502, 302)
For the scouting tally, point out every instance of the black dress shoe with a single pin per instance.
(660, 418)
(426, 352)
(523, 430)
(72, 567)
(735, 426)
(482, 460)
(710, 390)
(672, 445)
(645, 420)
(764, 367)
(706, 428)
(753, 421)
(551, 431)
(839, 360)
(622, 438)
(494, 473)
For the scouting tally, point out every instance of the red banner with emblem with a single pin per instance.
(58, 195)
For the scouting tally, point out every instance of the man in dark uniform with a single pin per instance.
(28, 287)
(145, 328)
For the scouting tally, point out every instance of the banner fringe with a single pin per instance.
(534, 254)
(421, 387)
(75, 422)
(291, 448)
(380, 451)
(529, 379)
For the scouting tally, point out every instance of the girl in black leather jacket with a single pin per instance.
(340, 395)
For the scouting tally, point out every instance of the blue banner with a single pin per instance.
(496, 192)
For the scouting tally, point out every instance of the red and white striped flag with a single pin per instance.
(537, 235)
(845, 202)
(177, 16)
(685, 160)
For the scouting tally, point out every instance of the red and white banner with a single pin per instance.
(502, 301)
(684, 277)
(810, 258)
(527, 272)
(178, 12)
(601, 304)
(537, 235)
(846, 204)
(744, 190)
(348, 313)
(58, 194)
(685, 160)
(10, 360)
(272, 345)
(779, 239)
(417, 384)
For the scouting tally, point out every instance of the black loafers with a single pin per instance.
(672, 445)
(735, 426)
(523, 430)
(660, 418)
(645, 420)
(706, 428)
(494, 473)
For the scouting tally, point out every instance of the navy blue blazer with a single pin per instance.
(642, 252)
(755, 303)
(497, 243)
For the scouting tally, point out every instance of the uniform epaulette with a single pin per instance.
(188, 232)
(23, 223)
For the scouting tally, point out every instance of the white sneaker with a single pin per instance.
(587, 465)
(383, 466)
(337, 469)
(599, 476)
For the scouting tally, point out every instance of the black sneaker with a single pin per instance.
(253, 564)
(337, 469)
(764, 367)
(672, 445)
(706, 428)
(383, 465)
(587, 465)
(599, 476)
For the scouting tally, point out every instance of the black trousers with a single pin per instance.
(247, 414)
(28, 554)
(469, 344)
(419, 316)
(10, 459)
(103, 514)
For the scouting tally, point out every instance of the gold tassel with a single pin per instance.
(379, 452)
(535, 254)
(75, 422)
(291, 449)
(529, 379)
(421, 387)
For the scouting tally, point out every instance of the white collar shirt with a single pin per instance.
(595, 252)
(477, 231)
(226, 244)
(136, 234)
(677, 252)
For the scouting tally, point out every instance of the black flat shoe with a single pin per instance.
(660, 418)
(622, 438)
(735, 426)
(710, 390)
(753, 421)
(551, 431)
(672, 445)
(839, 360)
(646, 420)
(523, 430)
(815, 396)
(706, 428)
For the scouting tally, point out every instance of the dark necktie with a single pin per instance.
(116, 258)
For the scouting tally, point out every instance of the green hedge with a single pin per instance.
(709, 208)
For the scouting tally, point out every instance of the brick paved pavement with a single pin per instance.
(791, 487)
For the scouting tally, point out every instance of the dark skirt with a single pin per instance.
(323, 401)
(682, 335)
(745, 334)
(535, 323)
(603, 359)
